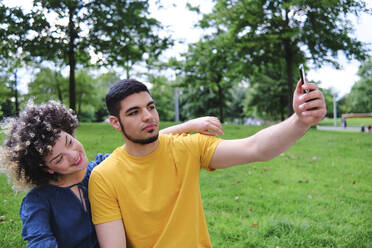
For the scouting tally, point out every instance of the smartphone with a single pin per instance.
(302, 75)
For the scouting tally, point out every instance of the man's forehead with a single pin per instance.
(139, 99)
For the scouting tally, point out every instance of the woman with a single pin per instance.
(40, 152)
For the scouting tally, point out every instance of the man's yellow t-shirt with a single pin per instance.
(157, 196)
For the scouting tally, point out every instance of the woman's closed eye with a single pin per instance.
(59, 159)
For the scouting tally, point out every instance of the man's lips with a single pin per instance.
(149, 127)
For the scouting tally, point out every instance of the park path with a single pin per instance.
(333, 128)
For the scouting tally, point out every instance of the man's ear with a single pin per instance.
(115, 122)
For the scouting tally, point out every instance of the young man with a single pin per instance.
(146, 194)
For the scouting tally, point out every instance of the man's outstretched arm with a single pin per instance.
(309, 109)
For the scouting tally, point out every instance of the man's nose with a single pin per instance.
(147, 114)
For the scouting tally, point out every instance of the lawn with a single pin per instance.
(351, 122)
(317, 194)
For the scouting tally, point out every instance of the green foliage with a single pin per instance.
(196, 101)
(123, 32)
(328, 97)
(210, 66)
(278, 32)
(163, 94)
(90, 91)
(359, 99)
(6, 108)
(290, 201)
(235, 107)
(267, 96)
(48, 84)
(115, 32)
(102, 83)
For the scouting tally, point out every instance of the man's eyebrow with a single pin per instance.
(132, 108)
(136, 107)
(59, 153)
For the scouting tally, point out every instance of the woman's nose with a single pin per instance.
(73, 156)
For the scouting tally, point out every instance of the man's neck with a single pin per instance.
(140, 150)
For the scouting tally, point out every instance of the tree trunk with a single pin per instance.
(16, 93)
(220, 100)
(72, 62)
(288, 62)
(282, 107)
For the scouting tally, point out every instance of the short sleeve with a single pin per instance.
(207, 145)
(36, 228)
(104, 204)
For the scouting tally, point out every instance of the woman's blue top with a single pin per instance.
(54, 216)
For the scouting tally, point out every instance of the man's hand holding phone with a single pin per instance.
(308, 104)
(302, 75)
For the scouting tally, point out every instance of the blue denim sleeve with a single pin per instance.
(99, 158)
(36, 227)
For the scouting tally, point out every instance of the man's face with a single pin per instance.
(139, 119)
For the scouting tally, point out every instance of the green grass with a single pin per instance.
(351, 122)
(317, 194)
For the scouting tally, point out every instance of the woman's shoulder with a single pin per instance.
(36, 198)
(39, 193)
(92, 164)
(99, 158)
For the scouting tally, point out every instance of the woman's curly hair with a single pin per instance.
(29, 138)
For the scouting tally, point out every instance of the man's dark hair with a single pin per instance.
(120, 91)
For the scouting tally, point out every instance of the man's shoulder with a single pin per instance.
(189, 141)
(109, 161)
(185, 137)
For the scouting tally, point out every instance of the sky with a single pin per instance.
(181, 26)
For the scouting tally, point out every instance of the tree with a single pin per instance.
(266, 31)
(5, 96)
(122, 32)
(235, 108)
(329, 95)
(209, 68)
(102, 83)
(162, 92)
(359, 99)
(266, 97)
(48, 84)
(13, 24)
(72, 32)
(90, 91)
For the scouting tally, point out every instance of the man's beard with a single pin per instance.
(138, 141)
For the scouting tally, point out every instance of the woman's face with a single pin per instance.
(68, 156)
